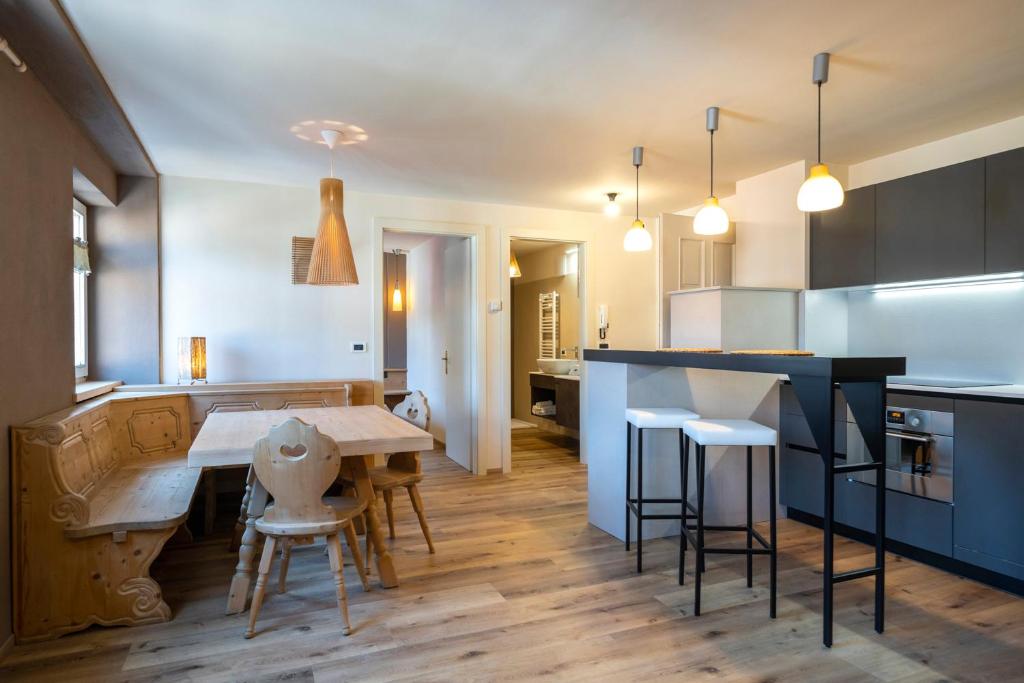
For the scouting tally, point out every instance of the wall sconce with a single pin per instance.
(396, 294)
(191, 360)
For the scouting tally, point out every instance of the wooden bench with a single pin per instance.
(100, 488)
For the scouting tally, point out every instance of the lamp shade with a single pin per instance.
(513, 267)
(191, 360)
(81, 256)
(820, 192)
(637, 238)
(396, 298)
(711, 219)
(332, 262)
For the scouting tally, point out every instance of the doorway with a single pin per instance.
(426, 307)
(546, 332)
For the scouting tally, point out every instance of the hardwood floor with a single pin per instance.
(521, 588)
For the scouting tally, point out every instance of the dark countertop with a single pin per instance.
(849, 368)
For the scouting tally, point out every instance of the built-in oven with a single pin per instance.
(918, 452)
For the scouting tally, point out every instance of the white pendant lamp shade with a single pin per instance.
(612, 209)
(637, 238)
(711, 219)
(331, 262)
(820, 192)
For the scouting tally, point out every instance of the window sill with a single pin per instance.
(86, 390)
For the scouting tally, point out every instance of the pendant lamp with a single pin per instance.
(638, 238)
(332, 262)
(712, 218)
(513, 267)
(821, 191)
(396, 293)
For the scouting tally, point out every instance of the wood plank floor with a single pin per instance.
(522, 588)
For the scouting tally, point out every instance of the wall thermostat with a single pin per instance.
(358, 347)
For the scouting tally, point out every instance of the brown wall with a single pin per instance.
(39, 148)
(124, 288)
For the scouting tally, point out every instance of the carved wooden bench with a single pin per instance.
(100, 488)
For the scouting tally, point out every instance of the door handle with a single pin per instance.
(445, 359)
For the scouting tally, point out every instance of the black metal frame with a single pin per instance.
(635, 506)
(769, 548)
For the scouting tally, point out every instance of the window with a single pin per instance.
(81, 289)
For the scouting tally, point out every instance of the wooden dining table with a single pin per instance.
(227, 440)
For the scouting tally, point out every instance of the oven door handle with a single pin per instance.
(909, 437)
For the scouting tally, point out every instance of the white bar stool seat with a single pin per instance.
(729, 433)
(659, 418)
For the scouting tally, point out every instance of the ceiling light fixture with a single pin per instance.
(332, 262)
(612, 209)
(821, 191)
(637, 238)
(712, 218)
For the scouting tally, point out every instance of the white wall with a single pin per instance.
(225, 255)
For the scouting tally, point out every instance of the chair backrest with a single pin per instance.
(296, 464)
(414, 409)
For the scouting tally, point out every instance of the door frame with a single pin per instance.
(477, 358)
(582, 242)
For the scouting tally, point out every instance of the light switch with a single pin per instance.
(358, 347)
(494, 305)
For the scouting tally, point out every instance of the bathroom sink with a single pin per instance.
(557, 366)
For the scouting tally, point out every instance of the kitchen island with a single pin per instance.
(720, 386)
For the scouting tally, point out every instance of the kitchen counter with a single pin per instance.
(1008, 393)
(548, 374)
(846, 368)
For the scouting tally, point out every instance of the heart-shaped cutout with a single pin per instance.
(293, 451)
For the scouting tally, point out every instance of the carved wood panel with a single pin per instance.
(154, 430)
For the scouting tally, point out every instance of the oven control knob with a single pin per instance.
(915, 422)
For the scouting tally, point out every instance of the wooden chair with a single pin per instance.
(403, 470)
(296, 464)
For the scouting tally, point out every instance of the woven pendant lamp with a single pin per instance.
(332, 262)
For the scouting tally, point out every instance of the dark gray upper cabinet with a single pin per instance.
(988, 517)
(931, 225)
(843, 242)
(1004, 212)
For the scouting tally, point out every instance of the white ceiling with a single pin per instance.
(539, 103)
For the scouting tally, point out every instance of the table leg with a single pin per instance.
(243, 512)
(364, 489)
(239, 593)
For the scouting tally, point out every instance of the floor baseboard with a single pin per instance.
(6, 647)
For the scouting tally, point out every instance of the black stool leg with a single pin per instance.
(629, 458)
(639, 499)
(700, 529)
(683, 444)
(750, 518)
(771, 522)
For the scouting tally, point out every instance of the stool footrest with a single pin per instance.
(857, 467)
(674, 501)
(854, 574)
(737, 551)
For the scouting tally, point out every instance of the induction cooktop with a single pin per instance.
(944, 383)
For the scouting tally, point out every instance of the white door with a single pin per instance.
(456, 353)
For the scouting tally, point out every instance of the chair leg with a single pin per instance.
(417, 505)
(750, 518)
(772, 535)
(261, 584)
(286, 557)
(700, 529)
(629, 475)
(369, 545)
(357, 557)
(334, 552)
(389, 500)
(639, 500)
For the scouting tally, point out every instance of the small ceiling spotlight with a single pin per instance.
(612, 209)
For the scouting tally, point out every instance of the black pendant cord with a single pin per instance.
(819, 124)
(638, 192)
(712, 193)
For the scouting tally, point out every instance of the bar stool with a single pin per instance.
(747, 433)
(654, 418)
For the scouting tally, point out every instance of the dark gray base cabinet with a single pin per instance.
(988, 486)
